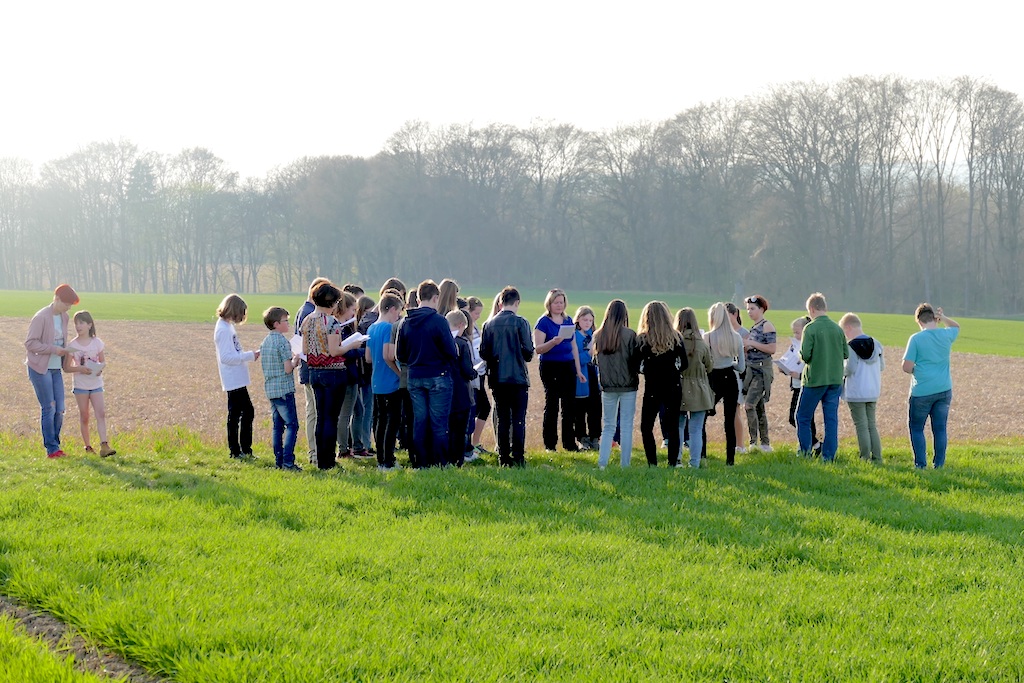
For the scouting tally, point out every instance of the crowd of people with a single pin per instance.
(415, 370)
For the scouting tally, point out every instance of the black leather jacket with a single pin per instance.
(506, 344)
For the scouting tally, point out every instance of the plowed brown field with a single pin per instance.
(165, 374)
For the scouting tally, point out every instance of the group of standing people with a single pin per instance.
(413, 368)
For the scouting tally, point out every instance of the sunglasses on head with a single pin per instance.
(752, 300)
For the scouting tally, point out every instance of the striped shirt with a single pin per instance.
(315, 329)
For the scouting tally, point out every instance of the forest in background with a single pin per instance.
(880, 192)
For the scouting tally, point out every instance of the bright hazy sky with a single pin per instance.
(264, 83)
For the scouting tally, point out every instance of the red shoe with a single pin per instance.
(57, 454)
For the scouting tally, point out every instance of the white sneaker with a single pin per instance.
(741, 449)
(753, 447)
(766, 448)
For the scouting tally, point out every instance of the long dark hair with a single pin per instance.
(616, 317)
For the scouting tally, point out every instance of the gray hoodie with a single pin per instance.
(863, 383)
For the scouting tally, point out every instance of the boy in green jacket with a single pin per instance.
(823, 351)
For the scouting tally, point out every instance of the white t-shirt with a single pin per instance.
(82, 352)
(56, 362)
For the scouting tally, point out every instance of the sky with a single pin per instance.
(263, 84)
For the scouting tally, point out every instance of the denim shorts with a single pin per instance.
(87, 391)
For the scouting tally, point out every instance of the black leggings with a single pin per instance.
(240, 417)
(723, 383)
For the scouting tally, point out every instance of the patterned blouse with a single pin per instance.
(315, 329)
(759, 336)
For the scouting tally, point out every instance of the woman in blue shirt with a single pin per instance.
(931, 389)
(559, 369)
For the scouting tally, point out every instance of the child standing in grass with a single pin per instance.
(385, 379)
(463, 373)
(588, 393)
(795, 381)
(87, 360)
(279, 365)
(234, 374)
(863, 385)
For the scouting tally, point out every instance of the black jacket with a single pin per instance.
(506, 344)
(462, 374)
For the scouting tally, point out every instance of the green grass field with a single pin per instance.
(205, 569)
(983, 336)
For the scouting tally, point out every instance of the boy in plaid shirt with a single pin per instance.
(279, 365)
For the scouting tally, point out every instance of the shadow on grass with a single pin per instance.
(769, 505)
(769, 500)
(203, 489)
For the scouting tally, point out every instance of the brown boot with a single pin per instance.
(106, 450)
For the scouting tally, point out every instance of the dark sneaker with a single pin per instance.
(291, 467)
(363, 454)
(237, 456)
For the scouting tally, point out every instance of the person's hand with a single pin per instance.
(938, 313)
(60, 352)
(581, 377)
(795, 375)
(84, 370)
(256, 353)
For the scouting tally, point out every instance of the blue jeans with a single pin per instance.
(431, 403)
(935, 406)
(49, 388)
(695, 430)
(611, 403)
(285, 429)
(828, 397)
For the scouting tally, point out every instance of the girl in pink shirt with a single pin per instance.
(87, 362)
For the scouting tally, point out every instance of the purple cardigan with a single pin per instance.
(39, 341)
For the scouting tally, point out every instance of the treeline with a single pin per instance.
(880, 192)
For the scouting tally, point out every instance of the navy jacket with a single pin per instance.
(425, 344)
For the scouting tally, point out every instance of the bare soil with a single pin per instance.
(165, 374)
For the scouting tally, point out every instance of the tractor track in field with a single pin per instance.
(64, 641)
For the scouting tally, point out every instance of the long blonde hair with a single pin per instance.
(655, 328)
(724, 341)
